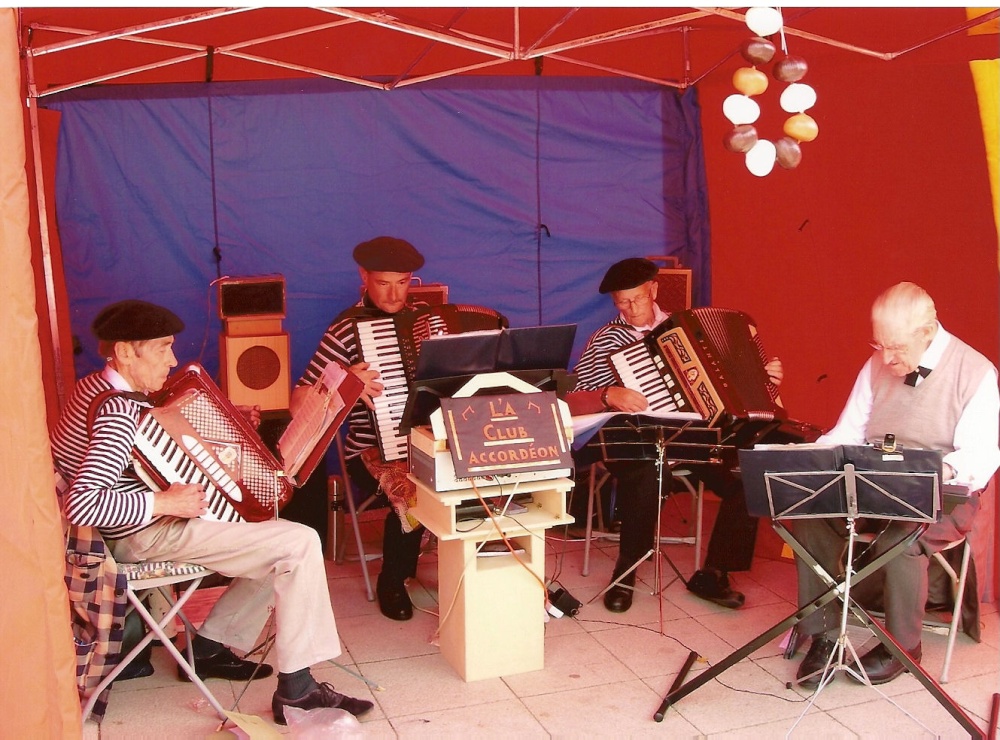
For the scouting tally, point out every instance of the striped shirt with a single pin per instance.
(104, 490)
(594, 370)
(340, 343)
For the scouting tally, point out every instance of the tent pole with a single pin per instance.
(43, 229)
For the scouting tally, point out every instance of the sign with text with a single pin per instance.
(504, 434)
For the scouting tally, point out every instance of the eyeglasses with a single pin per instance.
(893, 348)
(637, 302)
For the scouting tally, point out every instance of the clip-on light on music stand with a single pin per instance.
(817, 481)
(667, 443)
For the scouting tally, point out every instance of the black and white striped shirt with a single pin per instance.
(96, 461)
(340, 343)
(594, 370)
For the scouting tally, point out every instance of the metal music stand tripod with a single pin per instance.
(838, 490)
(668, 443)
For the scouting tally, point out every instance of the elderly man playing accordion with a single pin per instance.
(274, 564)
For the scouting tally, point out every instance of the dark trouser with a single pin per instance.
(734, 536)
(903, 579)
(637, 497)
(400, 550)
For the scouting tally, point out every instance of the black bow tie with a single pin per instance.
(911, 378)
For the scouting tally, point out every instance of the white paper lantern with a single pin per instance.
(760, 159)
(797, 98)
(764, 21)
(740, 109)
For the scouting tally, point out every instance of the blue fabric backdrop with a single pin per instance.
(519, 191)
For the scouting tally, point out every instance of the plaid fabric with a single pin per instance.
(391, 477)
(98, 603)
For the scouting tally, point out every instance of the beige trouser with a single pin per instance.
(275, 563)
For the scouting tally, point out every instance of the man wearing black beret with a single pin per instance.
(386, 265)
(632, 286)
(275, 565)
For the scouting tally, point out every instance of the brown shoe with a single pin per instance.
(322, 696)
(881, 666)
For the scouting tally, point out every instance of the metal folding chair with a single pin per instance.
(161, 576)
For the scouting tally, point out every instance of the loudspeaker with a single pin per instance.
(254, 355)
(254, 370)
(674, 285)
(260, 297)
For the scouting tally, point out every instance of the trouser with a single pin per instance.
(400, 550)
(734, 536)
(903, 579)
(637, 499)
(274, 564)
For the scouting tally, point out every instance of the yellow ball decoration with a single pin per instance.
(801, 127)
(749, 81)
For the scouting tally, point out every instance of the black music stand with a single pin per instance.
(804, 490)
(668, 443)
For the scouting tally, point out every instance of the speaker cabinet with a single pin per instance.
(255, 370)
(673, 292)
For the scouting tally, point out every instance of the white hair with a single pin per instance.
(902, 310)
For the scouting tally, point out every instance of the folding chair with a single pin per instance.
(143, 577)
(352, 494)
(958, 582)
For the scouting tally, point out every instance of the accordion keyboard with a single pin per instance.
(380, 348)
(176, 464)
(649, 375)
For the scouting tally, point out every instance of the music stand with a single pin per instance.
(838, 489)
(668, 443)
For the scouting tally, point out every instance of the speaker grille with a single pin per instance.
(258, 367)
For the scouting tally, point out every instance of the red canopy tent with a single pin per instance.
(895, 187)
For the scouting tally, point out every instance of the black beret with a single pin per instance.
(628, 274)
(134, 321)
(387, 254)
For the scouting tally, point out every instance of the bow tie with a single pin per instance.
(911, 378)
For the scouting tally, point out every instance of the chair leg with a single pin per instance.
(956, 616)
(157, 631)
(592, 494)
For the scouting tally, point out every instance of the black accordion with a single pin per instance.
(391, 345)
(708, 361)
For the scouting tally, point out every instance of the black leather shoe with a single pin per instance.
(713, 585)
(618, 599)
(393, 601)
(881, 666)
(811, 668)
(225, 664)
(138, 668)
(322, 696)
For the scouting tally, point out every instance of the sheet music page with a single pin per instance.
(318, 410)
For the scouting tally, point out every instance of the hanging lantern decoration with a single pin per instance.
(742, 111)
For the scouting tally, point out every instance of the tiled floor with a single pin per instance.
(605, 674)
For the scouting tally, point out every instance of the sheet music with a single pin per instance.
(318, 409)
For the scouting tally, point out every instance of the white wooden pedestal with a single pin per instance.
(492, 607)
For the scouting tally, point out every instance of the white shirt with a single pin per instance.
(976, 456)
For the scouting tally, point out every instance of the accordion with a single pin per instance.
(391, 344)
(194, 434)
(704, 360)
